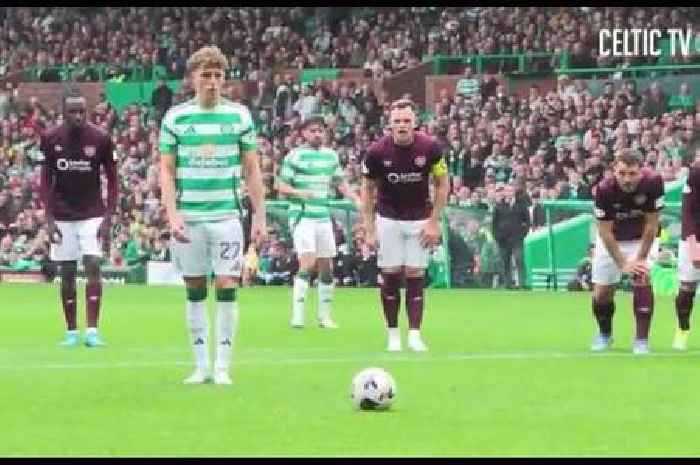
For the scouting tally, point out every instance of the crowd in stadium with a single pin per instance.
(547, 145)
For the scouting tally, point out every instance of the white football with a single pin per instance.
(373, 389)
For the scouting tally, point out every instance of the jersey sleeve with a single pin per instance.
(109, 161)
(655, 199)
(602, 207)
(436, 164)
(168, 139)
(44, 152)
(370, 165)
(287, 169)
(248, 139)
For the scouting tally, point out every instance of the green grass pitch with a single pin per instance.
(508, 374)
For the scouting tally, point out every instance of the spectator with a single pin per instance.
(511, 222)
(161, 99)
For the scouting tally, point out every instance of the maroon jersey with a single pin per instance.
(690, 215)
(402, 175)
(628, 210)
(70, 186)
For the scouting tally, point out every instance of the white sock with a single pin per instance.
(91, 331)
(414, 334)
(394, 333)
(226, 325)
(198, 324)
(325, 296)
(299, 295)
(72, 331)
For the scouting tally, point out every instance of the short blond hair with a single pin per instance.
(209, 56)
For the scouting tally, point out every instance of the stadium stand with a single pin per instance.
(551, 143)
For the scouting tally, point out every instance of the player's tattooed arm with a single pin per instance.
(368, 197)
(431, 232)
(347, 192)
(605, 231)
(651, 228)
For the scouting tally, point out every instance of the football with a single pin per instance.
(373, 389)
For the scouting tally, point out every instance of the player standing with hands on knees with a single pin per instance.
(688, 256)
(397, 170)
(78, 221)
(627, 210)
(207, 145)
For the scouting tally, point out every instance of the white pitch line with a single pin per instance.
(373, 357)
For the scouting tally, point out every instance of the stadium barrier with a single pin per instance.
(450, 64)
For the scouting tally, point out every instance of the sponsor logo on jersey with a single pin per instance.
(89, 151)
(404, 178)
(226, 128)
(420, 161)
(599, 213)
(387, 163)
(63, 164)
(616, 206)
(190, 130)
(207, 150)
(57, 148)
(639, 199)
(687, 189)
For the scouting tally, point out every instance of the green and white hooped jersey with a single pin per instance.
(207, 145)
(315, 170)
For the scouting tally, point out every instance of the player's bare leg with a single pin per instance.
(684, 307)
(603, 310)
(198, 324)
(643, 303)
(226, 326)
(325, 293)
(391, 302)
(69, 303)
(307, 262)
(415, 283)
(93, 298)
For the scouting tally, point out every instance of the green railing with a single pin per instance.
(100, 72)
(633, 71)
(478, 61)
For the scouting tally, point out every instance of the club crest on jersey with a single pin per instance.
(420, 161)
(89, 151)
(207, 150)
(639, 199)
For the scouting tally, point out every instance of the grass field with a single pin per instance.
(508, 374)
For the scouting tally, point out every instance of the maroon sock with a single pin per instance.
(684, 306)
(414, 301)
(391, 298)
(643, 302)
(603, 312)
(68, 299)
(93, 295)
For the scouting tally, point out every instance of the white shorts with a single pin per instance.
(214, 246)
(605, 271)
(314, 237)
(686, 271)
(78, 238)
(399, 243)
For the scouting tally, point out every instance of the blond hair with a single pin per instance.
(209, 56)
